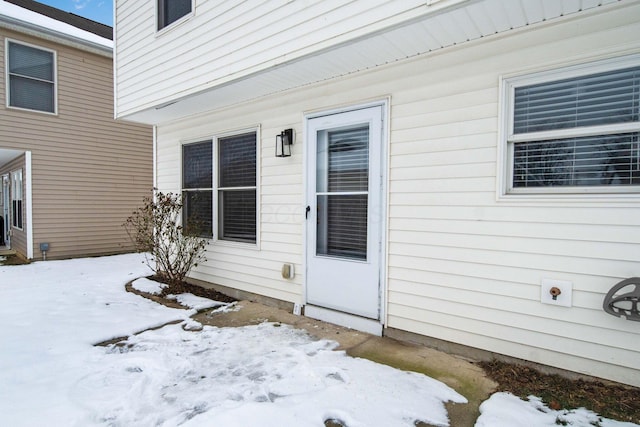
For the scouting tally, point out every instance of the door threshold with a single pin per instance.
(370, 326)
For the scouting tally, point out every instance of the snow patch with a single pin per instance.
(149, 286)
(194, 375)
(505, 409)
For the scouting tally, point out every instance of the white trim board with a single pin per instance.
(358, 323)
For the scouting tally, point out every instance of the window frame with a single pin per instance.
(19, 225)
(508, 138)
(7, 67)
(215, 173)
(217, 188)
(160, 15)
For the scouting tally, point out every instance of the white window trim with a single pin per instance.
(507, 138)
(174, 24)
(230, 243)
(6, 77)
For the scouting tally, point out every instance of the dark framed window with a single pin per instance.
(576, 130)
(169, 11)
(236, 185)
(197, 190)
(16, 199)
(31, 75)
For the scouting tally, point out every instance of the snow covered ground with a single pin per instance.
(267, 375)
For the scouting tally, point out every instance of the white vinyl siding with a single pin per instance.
(232, 38)
(463, 265)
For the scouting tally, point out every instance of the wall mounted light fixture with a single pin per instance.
(284, 141)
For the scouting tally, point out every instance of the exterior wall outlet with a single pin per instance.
(556, 292)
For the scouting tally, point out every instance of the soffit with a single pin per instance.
(459, 24)
(7, 155)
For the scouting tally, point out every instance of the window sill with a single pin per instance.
(567, 197)
(27, 110)
(232, 244)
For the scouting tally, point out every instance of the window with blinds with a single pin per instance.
(16, 199)
(197, 190)
(31, 73)
(342, 185)
(580, 132)
(237, 188)
(169, 11)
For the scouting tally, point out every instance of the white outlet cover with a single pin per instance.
(566, 291)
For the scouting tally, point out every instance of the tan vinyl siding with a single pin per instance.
(89, 171)
(462, 266)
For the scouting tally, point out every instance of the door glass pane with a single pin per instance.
(342, 226)
(342, 169)
(343, 160)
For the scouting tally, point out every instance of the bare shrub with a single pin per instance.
(155, 229)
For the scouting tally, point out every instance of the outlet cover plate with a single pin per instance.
(566, 290)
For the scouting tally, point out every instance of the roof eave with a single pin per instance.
(54, 36)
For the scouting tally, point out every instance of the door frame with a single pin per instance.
(6, 207)
(352, 321)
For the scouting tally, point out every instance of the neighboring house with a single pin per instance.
(70, 173)
(453, 162)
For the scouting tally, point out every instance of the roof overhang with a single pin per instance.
(453, 23)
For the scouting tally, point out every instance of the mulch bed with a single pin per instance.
(613, 401)
(185, 287)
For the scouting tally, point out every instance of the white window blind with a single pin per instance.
(593, 100)
(578, 132)
(31, 78)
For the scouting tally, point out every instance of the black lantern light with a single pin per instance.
(284, 141)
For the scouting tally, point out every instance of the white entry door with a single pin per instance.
(344, 212)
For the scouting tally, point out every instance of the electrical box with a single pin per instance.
(288, 271)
